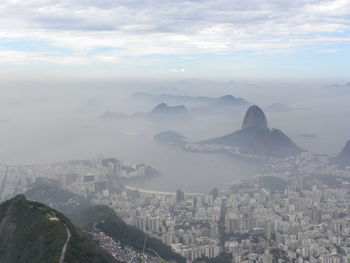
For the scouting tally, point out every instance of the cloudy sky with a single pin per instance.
(212, 38)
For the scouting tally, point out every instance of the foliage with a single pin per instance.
(273, 183)
(27, 235)
(105, 219)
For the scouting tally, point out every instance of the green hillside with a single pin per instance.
(33, 232)
(102, 217)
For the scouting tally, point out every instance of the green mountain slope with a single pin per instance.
(33, 232)
(64, 201)
(102, 217)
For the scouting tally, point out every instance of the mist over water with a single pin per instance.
(56, 121)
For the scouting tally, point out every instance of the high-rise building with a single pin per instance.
(214, 193)
(316, 215)
(180, 195)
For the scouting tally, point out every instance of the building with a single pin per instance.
(180, 196)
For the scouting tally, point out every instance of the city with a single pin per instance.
(296, 210)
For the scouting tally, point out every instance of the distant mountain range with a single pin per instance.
(183, 109)
(172, 98)
(345, 85)
(343, 158)
(197, 104)
(164, 112)
(256, 138)
(161, 112)
(339, 89)
(33, 232)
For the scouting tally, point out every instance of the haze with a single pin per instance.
(64, 63)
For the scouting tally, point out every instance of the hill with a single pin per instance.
(102, 218)
(171, 138)
(170, 113)
(256, 138)
(193, 100)
(33, 232)
(343, 158)
(64, 201)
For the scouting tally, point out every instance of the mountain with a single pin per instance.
(255, 138)
(64, 201)
(33, 232)
(254, 118)
(161, 112)
(164, 112)
(196, 102)
(229, 100)
(102, 218)
(171, 138)
(343, 158)
(338, 89)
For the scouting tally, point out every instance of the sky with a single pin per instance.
(163, 38)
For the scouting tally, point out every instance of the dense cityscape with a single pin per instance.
(296, 210)
(191, 131)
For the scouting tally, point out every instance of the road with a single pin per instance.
(4, 182)
(63, 252)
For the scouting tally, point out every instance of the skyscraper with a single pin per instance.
(180, 195)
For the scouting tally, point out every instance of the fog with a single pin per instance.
(51, 120)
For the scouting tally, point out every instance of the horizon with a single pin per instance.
(226, 39)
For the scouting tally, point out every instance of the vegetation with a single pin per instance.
(64, 201)
(83, 215)
(105, 219)
(273, 183)
(28, 235)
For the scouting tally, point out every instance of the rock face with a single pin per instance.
(254, 118)
(255, 138)
(343, 158)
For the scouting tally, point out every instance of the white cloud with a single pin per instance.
(181, 70)
(186, 28)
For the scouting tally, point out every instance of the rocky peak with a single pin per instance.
(161, 106)
(255, 118)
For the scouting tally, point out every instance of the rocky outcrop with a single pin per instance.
(254, 118)
(255, 138)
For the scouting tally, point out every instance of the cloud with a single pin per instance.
(181, 70)
(184, 28)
